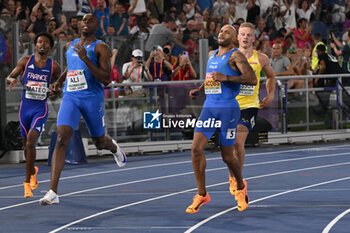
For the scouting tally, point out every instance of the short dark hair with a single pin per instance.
(47, 35)
(73, 17)
(321, 48)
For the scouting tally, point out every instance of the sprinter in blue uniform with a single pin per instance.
(227, 68)
(38, 70)
(88, 69)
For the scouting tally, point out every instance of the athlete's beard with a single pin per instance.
(225, 43)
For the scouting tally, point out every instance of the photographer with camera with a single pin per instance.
(160, 68)
(136, 71)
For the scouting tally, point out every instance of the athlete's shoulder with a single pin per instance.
(263, 58)
(211, 53)
(24, 60)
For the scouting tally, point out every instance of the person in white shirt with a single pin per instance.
(136, 71)
(306, 10)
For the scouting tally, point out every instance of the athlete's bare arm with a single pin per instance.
(238, 61)
(19, 69)
(55, 76)
(270, 80)
(102, 72)
(194, 92)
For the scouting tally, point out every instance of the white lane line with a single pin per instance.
(183, 162)
(335, 220)
(189, 190)
(261, 199)
(125, 228)
(164, 177)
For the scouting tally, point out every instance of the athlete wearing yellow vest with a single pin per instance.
(248, 97)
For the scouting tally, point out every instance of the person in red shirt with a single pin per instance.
(303, 34)
(184, 70)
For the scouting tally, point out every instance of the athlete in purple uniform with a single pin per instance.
(88, 69)
(38, 70)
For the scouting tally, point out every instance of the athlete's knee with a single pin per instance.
(62, 141)
(196, 150)
(29, 145)
(228, 158)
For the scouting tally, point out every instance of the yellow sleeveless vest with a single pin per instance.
(249, 95)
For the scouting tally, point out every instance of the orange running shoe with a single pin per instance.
(33, 180)
(242, 197)
(198, 201)
(233, 186)
(27, 190)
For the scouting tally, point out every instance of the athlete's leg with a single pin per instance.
(104, 142)
(239, 150)
(30, 153)
(198, 160)
(64, 133)
(233, 164)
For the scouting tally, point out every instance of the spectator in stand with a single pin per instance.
(213, 32)
(230, 16)
(137, 7)
(253, 15)
(344, 54)
(303, 34)
(115, 77)
(241, 9)
(264, 6)
(37, 17)
(260, 28)
(220, 7)
(299, 67)
(289, 11)
(136, 71)
(119, 18)
(184, 70)
(162, 34)
(73, 26)
(306, 10)
(52, 26)
(167, 49)
(190, 26)
(280, 64)
(103, 15)
(192, 43)
(160, 68)
(274, 20)
(83, 7)
(141, 30)
(62, 36)
(190, 8)
(181, 20)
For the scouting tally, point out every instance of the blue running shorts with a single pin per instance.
(32, 116)
(91, 109)
(228, 113)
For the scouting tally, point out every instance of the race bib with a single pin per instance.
(211, 86)
(76, 80)
(36, 90)
(247, 90)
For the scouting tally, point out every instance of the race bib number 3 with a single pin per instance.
(76, 80)
(211, 86)
(36, 90)
(247, 90)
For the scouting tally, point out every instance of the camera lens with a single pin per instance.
(166, 50)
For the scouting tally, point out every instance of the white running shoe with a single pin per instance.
(119, 156)
(50, 198)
